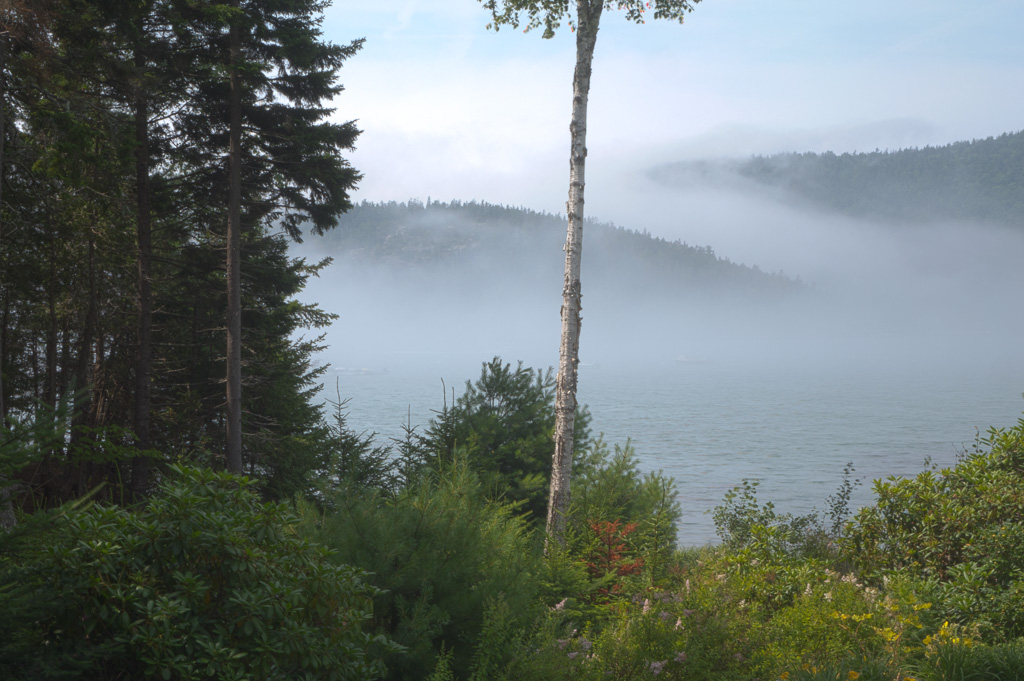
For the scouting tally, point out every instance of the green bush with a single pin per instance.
(609, 487)
(457, 573)
(505, 424)
(202, 581)
(958, 531)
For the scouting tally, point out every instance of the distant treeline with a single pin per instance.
(478, 235)
(980, 180)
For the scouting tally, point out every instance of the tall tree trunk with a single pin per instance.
(3, 145)
(83, 365)
(233, 449)
(8, 519)
(588, 17)
(144, 353)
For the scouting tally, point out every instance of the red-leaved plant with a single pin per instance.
(607, 555)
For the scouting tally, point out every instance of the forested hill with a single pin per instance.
(980, 180)
(478, 237)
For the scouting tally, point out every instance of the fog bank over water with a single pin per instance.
(879, 294)
(902, 343)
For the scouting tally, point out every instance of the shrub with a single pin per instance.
(457, 573)
(203, 581)
(505, 424)
(959, 532)
(608, 487)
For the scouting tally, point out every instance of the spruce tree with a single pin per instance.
(263, 111)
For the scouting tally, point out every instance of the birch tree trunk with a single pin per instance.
(233, 453)
(588, 16)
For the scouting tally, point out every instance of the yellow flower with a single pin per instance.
(852, 675)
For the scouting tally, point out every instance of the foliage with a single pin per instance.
(608, 487)
(504, 422)
(549, 13)
(742, 523)
(355, 460)
(456, 572)
(202, 581)
(115, 116)
(958, 531)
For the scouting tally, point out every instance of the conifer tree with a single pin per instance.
(278, 154)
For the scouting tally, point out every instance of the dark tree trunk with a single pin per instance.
(233, 448)
(3, 275)
(144, 352)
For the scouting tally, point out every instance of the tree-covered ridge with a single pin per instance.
(482, 236)
(980, 180)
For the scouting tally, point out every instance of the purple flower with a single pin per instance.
(664, 616)
(572, 656)
(681, 657)
(562, 643)
(585, 644)
(656, 667)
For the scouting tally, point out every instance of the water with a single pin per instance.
(791, 425)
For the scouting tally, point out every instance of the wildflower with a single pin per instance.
(585, 644)
(664, 616)
(828, 595)
(572, 655)
(807, 591)
(561, 604)
(656, 667)
(562, 643)
(852, 675)
(739, 657)
(681, 657)
(687, 586)
(679, 623)
(687, 613)
(647, 606)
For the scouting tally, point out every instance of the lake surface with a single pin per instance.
(711, 424)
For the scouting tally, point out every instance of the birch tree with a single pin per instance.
(583, 18)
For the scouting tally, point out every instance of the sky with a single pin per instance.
(450, 110)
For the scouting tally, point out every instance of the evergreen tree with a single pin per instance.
(268, 120)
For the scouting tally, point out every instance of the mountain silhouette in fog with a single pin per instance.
(975, 181)
(479, 241)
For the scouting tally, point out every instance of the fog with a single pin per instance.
(875, 293)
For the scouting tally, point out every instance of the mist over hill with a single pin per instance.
(478, 238)
(977, 181)
(888, 257)
(455, 278)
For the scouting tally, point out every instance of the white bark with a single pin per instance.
(588, 19)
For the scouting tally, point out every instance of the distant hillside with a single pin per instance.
(483, 240)
(980, 180)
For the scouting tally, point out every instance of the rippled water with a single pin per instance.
(709, 425)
